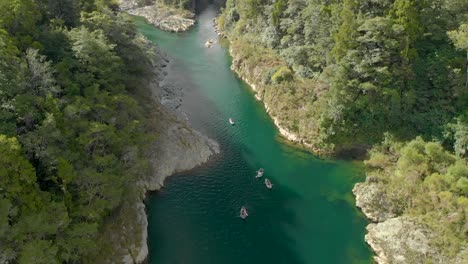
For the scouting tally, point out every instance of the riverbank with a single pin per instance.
(164, 17)
(398, 239)
(415, 219)
(195, 218)
(177, 148)
(253, 72)
(292, 102)
(394, 238)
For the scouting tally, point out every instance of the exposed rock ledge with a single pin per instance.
(372, 201)
(163, 17)
(397, 240)
(178, 148)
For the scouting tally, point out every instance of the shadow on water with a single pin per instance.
(203, 225)
(308, 217)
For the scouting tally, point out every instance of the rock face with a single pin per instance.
(163, 17)
(372, 201)
(402, 240)
(397, 239)
(177, 148)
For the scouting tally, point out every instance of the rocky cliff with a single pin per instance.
(398, 239)
(178, 148)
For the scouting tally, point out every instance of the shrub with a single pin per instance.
(281, 75)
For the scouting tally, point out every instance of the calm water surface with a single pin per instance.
(308, 217)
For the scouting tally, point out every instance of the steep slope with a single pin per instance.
(83, 133)
(177, 148)
(416, 194)
(337, 74)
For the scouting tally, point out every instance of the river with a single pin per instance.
(308, 217)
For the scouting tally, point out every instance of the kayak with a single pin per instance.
(268, 184)
(259, 173)
(243, 213)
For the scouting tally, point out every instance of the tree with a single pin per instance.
(457, 134)
(406, 14)
(39, 252)
(345, 37)
(460, 40)
(97, 59)
(423, 180)
(41, 80)
(10, 82)
(20, 18)
(65, 11)
(17, 176)
(76, 137)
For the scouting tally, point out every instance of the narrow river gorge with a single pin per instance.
(308, 217)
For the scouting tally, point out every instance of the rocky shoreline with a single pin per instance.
(393, 238)
(177, 148)
(367, 194)
(397, 239)
(285, 132)
(164, 17)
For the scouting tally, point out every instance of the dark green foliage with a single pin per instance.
(72, 135)
(20, 18)
(278, 9)
(345, 37)
(65, 11)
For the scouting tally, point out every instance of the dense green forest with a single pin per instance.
(344, 74)
(72, 133)
(340, 73)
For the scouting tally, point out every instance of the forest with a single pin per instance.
(427, 183)
(341, 74)
(387, 76)
(344, 72)
(73, 133)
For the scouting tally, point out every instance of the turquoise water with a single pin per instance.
(308, 216)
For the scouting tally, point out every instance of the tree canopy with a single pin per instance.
(360, 67)
(73, 137)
